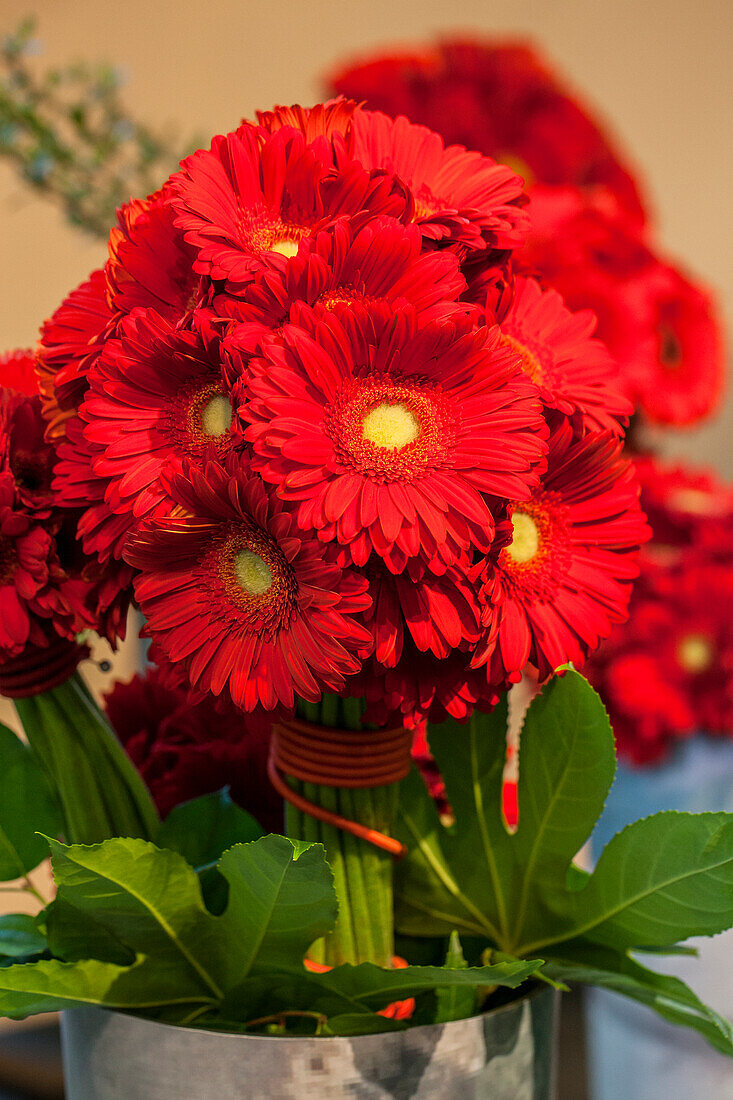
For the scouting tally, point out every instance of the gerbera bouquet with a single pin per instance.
(357, 475)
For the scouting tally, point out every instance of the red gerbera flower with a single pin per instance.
(322, 120)
(672, 349)
(247, 202)
(459, 196)
(503, 99)
(356, 261)
(77, 486)
(25, 452)
(563, 575)
(387, 434)
(575, 373)
(668, 673)
(423, 687)
(687, 507)
(439, 613)
(150, 263)
(661, 328)
(250, 604)
(18, 371)
(69, 343)
(156, 395)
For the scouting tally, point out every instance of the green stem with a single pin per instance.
(99, 789)
(362, 872)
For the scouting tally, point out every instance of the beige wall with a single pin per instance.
(659, 70)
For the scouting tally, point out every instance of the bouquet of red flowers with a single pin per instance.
(357, 473)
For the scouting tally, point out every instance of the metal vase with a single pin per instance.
(505, 1054)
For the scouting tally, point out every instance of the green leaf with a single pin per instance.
(27, 807)
(376, 988)
(51, 986)
(128, 894)
(280, 899)
(660, 880)
(20, 936)
(73, 934)
(475, 877)
(450, 878)
(670, 997)
(456, 1002)
(200, 830)
(567, 762)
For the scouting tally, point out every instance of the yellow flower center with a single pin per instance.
(252, 572)
(390, 426)
(216, 416)
(695, 653)
(526, 539)
(286, 246)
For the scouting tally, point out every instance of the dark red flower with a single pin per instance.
(563, 576)
(250, 604)
(439, 613)
(30, 577)
(503, 99)
(387, 435)
(185, 749)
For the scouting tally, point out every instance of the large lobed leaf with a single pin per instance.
(160, 951)
(659, 881)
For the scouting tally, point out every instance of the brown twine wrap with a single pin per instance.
(339, 758)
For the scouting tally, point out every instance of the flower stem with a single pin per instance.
(362, 873)
(99, 789)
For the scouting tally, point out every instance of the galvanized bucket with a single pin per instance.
(506, 1054)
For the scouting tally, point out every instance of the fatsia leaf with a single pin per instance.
(670, 997)
(474, 876)
(348, 990)
(660, 880)
(456, 1002)
(203, 828)
(73, 934)
(20, 936)
(27, 807)
(375, 987)
(150, 900)
(51, 986)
